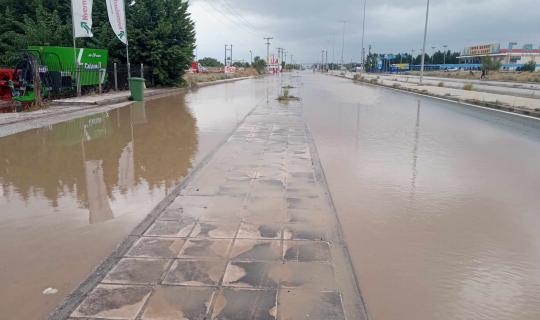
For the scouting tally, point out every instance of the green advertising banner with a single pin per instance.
(63, 59)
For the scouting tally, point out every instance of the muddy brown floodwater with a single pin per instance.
(439, 202)
(69, 193)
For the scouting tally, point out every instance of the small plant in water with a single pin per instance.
(285, 96)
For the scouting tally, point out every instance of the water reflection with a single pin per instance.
(100, 158)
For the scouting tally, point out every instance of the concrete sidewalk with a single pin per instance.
(251, 234)
(108, 98)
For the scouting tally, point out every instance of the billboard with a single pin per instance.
(63, 59)
(482, 49)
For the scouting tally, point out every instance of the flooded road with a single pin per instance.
(69, 193)
(438, 202)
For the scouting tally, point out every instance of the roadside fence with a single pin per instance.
(86, 79)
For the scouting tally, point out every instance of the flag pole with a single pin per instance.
(75, 62)
(127, 58)
(127, 41)
(73, 31)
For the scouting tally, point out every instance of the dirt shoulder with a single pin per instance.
(510, 76)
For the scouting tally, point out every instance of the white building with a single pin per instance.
(510, 58)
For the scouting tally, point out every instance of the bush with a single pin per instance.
(468, 87)
(490, 64)
(441, 84)
(529, 66)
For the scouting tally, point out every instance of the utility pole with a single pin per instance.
(343, 41)
(363, 36)
(326, 59)
(444, 57)
(433, 55)
(280, 55)
(424, 46)
(268, 49)
(412, 58)
(322, 60)
(228, 49)
(250, 57)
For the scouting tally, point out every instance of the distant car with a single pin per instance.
(451, 69)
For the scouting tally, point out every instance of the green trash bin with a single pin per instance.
(136, 86)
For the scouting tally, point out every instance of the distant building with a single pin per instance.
(510, 58)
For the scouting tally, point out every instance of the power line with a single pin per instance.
(228, 17)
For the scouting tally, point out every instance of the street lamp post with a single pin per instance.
(251, 56)
(433, 55)
(424, 46)
(343, 42)
(363, 36)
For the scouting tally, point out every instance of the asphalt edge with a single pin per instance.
(72, 300)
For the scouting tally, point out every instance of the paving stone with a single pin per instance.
(214, 230)
(172, 303)
(195, 272)
(172, 214)
(314, 276)
(262, 205)
(150, 247)
(239, 304)
(314, 217)
(205, 248)
(312, 305)
(305, 203)
(306, 251)
(137, 271)
(171, 228)
(259, 231)
(252, 275)
(190, 201)
(251, 236)
(235, 187)
(305, 193)
(256, 250)
(305, 232)
(113, 301)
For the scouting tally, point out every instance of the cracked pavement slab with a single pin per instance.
(252, 235)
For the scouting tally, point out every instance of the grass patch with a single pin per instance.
(468, 87)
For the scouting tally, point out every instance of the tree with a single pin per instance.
(239, 64)
(529, 66)
(490, 64)
(161, 32)
(210, 62)
(259, 64)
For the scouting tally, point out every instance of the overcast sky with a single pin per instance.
(305, 27)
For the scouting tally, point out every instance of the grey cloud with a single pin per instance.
(305, 27)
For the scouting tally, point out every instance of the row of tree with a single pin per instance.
(258, 63)
(161, 33)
